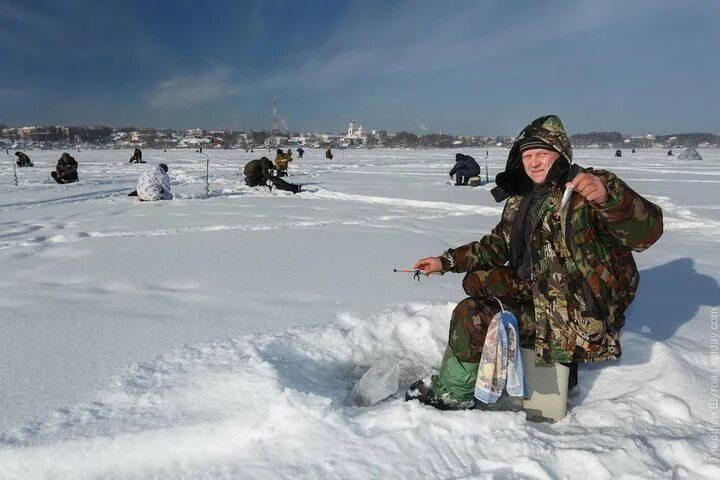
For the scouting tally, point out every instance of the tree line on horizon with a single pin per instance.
(100, 135)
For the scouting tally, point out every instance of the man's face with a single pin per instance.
(537, 163)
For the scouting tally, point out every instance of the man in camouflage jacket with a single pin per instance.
(568, 273)
(281, 162)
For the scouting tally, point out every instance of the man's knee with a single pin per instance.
(468, 327)
(465, 308)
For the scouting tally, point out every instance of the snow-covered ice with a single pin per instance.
(220, 337)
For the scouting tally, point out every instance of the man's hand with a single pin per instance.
(428, 265)
(590, 187)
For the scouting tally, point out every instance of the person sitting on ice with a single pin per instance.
(137, 156)
(465, 167)
(566, 271)
(66, 169)
(23, 160)
(329, 154)
(300, 152)
(259, 173)
(281, 163)
(153, 184)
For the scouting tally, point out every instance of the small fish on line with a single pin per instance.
(416, 273)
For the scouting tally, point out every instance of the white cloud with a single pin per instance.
(11, 92)
(28, 19)
(189, 91)
(406, 43)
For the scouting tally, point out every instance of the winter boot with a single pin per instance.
(452, 389)
(424, 391)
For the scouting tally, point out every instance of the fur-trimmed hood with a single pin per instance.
(547, 130)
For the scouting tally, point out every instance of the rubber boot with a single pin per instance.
(451, 389)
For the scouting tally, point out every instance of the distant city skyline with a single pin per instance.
(465, 67)
(200, 129)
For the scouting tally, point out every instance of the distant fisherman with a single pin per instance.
(281, 163)
(66, 169)
(328, 154)
(260, 171)
(465, 167)
(23, 160)
(137, 156)
(153, 184)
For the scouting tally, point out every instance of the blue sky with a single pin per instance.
(465, 67)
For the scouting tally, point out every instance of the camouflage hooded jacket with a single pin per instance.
(583, 272)
(281, 161)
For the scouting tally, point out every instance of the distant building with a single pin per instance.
(26, 132)
(299, 140)
(274, 141)
(354, 136)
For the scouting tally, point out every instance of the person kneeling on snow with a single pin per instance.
(260, 171)
(137, 156)
(565, 271)
(23, 160)
(465, 167)
(66, 169)
(153, 184)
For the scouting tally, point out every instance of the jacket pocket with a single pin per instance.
(583, 317)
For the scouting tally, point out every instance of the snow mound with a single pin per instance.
(272, 406)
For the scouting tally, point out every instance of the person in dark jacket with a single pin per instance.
(300, 152)
(137, 157)
(465, 167)
(328, 154)
(261, 171)
(66, 170)
(23, 160)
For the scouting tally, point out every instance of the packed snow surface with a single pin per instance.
(220, 337)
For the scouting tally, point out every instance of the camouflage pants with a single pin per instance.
(472, 316)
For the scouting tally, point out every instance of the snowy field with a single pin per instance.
(219, 337)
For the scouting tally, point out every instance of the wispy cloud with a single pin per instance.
(26, 18)
(391, 64)
(189, 91)
(11, 92)
(21, 29)
(461, 37)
